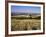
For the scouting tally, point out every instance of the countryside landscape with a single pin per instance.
(22, 18)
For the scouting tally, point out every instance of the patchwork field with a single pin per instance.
(25, 24)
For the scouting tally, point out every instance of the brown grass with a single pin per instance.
(25, 24)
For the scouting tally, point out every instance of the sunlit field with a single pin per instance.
(25, 24)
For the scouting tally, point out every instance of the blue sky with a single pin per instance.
(25, 9)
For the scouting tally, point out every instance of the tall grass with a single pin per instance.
(25, 24)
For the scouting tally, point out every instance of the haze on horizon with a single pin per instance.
(25, 9)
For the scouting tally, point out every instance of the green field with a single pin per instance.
(25, 24)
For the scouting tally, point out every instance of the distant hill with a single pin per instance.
(18, 13)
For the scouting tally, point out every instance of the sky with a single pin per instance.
(25, 9)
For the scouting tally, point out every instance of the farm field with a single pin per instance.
(25, 24)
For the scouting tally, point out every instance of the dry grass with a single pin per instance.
(25, 24)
